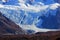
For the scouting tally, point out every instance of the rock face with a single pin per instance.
(8, 26)
(37, 36)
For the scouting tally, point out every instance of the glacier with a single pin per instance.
(36, 15)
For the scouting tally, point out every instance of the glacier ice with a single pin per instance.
(31, 16)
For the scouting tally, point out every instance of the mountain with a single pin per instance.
(7, 26)
(32, 15)
(52, 22)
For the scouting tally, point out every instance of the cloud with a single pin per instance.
(54, 6)
(1, 6)
(11, 7)
(25, 8)
(22, 1)
(31, 8)
(39, 6)
(4, 0)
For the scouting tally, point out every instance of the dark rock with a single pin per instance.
(8, 26)
(41, 36)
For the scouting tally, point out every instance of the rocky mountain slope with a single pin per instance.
(8, 26)
(37, 36)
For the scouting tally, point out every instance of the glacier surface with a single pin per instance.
(36, 15)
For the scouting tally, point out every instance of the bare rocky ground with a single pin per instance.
(37, 36)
